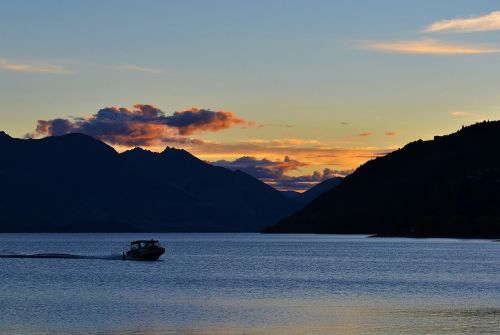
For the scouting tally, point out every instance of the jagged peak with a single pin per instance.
(177, 152)
(138, 151)
(172, 149)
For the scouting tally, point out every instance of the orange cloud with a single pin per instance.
(430, 47)
(365, 134)
(145, 125)
(285, 142)
(197, 120)
(390, 133)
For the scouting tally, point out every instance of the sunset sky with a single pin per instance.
(292, 86)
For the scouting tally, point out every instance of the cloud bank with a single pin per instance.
(310, 152)
(486, 22)
(275, 172)
(144, 125)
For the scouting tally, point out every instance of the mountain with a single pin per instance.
(291, 194)
(319, 189)
(449, 187)
(76, 183)
(309, 195)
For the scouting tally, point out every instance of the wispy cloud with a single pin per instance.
(285, 142)
(459, 114)
(486, 22)
(430, 47)
(390, 133)
(469, 116)
(365, 134)
(36, 67)
(136, 68)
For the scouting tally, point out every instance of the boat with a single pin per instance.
(144, 250)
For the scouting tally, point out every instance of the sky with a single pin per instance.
(292, 92)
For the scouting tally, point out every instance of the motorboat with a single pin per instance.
(144, 250)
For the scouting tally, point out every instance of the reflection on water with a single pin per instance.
(362, 321)
(251, 284)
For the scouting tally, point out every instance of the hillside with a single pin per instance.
(449, 186)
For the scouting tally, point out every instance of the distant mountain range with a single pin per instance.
(309, 195)
(74, 183)
(446, 187)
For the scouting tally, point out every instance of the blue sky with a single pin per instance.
(320, 73)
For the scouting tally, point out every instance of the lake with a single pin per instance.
(250, 284)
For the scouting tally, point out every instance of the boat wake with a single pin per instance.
(61, 256)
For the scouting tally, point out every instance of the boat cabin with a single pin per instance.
(144, 244)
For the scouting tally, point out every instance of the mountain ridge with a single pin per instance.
(75, 183)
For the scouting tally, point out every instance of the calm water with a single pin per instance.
(250, 284)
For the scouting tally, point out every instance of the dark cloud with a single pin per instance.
(54, 127)
(144, 125)
(196, 120)
(275, 172)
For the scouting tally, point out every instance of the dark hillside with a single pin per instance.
(449, 186)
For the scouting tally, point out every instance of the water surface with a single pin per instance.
(249, 284)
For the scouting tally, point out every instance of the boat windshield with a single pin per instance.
(144, 244)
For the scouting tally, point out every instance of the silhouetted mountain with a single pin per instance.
(76, 183)
(319, 189)
(446, 187)
(291, 194)
(309, 195)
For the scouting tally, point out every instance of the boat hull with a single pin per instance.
(144, 255)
